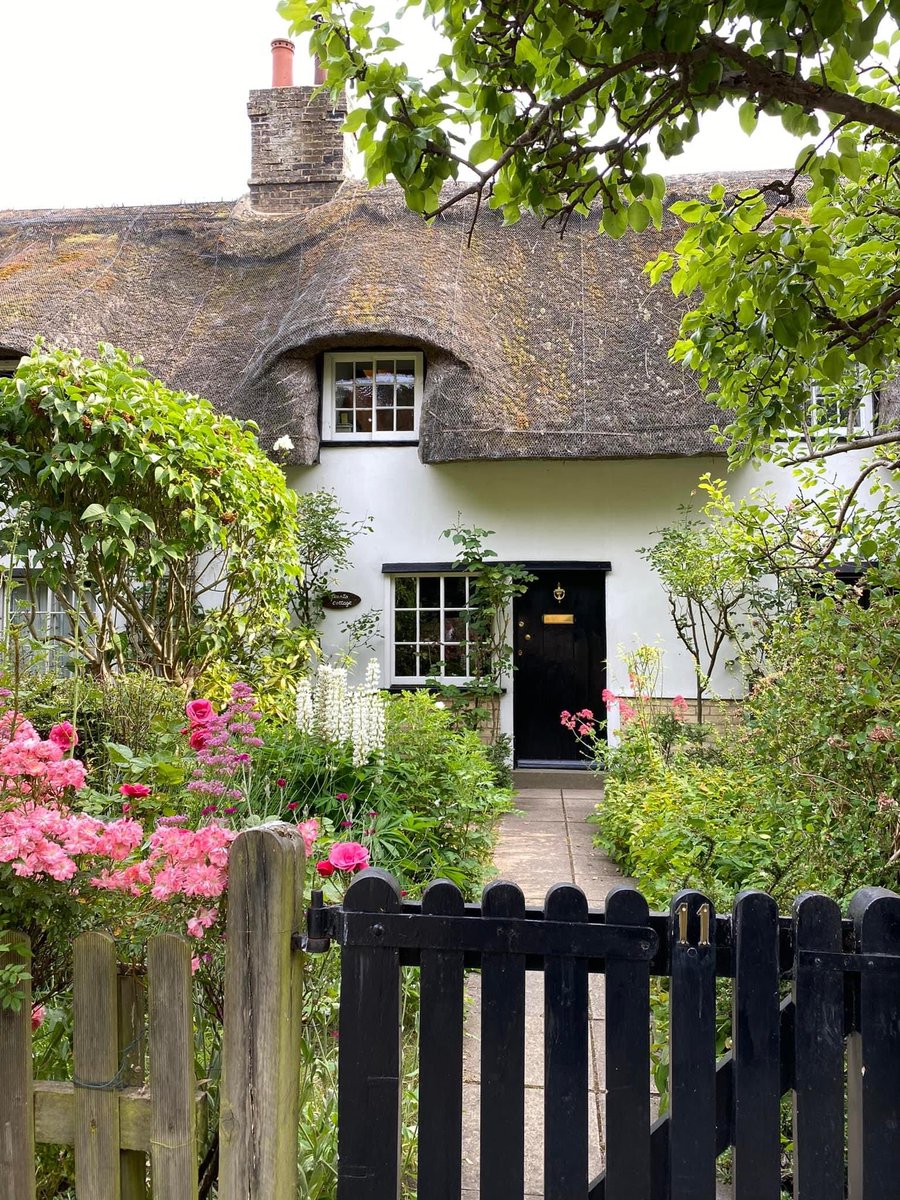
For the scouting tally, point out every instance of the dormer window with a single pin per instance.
(372, 396)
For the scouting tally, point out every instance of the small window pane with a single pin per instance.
(429, 660)
(405, 626)
(405, 591)
(405, 660)
(344, 421)
(385, 420)
(384, 371)
(343, 394)
(430, 591)
(363, 393)
(429, 626)
(343, 370)
(364, 369)
(455, 591)
(454, 627)
(454, 660)
(363, 420)
(385, 395)
(406, 420)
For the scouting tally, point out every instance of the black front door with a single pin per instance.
(560, 656)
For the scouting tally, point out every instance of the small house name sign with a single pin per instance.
(341, 600)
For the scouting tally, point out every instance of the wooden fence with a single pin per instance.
(129, 1132)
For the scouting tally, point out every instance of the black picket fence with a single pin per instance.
(815, 1011)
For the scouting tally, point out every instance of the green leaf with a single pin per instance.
(748, 116)
(827, 16)
(93, 512)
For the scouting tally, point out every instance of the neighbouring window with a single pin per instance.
(430, 632)
(372, 397)
(41, 617)
(836, 411)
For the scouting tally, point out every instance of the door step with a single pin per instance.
(540, 777)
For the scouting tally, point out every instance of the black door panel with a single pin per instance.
(560, 656)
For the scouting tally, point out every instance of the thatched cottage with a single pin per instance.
(516, 378)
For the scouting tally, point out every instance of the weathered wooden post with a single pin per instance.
(16, 1109)
(259, 1105)
(95, 1045)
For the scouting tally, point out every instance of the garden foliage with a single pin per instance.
(161, 529)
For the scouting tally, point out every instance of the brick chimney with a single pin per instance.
(297, 148)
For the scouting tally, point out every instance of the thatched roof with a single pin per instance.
(538, 346)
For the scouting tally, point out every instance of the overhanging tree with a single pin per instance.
(162, 529)
(552, 107)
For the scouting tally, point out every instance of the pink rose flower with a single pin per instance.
(348, 856)
(325, 868)
(63, 735)
(135, 790)
(199, 711)
(199, 738)
(38, 1013)
(281, 783)
(584, 730)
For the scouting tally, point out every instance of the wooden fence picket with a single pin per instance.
(819, 1052)
(692, 1048)
(173, 1108)
(627, 1059)
(873, 1051)
(95, 1046)
(566, 1070)
(369, 1066)
(502, 1134)
(16, 1111)
(756, 1034)
(441, 1056)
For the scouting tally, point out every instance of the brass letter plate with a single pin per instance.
(558, 618)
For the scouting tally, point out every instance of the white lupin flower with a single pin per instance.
(283, 443)
(305, 706)
(337, 713)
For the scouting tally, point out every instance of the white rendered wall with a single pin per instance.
(541, 510)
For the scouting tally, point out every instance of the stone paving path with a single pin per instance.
(547, 841)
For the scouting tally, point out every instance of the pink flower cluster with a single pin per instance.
(40, 839)
(344, 856)
(222, 742)
(181, 862)
(582, 721)
(626, 711)
(35, 768)
(39, 835)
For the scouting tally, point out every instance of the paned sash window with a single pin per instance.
(372, 396)
(430, 632)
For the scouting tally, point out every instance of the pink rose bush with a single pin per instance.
(40, 836)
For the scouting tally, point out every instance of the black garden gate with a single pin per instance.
(815, 1011)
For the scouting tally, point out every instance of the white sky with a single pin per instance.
(106, 102)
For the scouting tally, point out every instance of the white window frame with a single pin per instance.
(865, 414)
(391, 639)
(330, 431)
(48, 614)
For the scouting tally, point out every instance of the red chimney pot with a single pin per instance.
(282, 63)
(318, 71)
